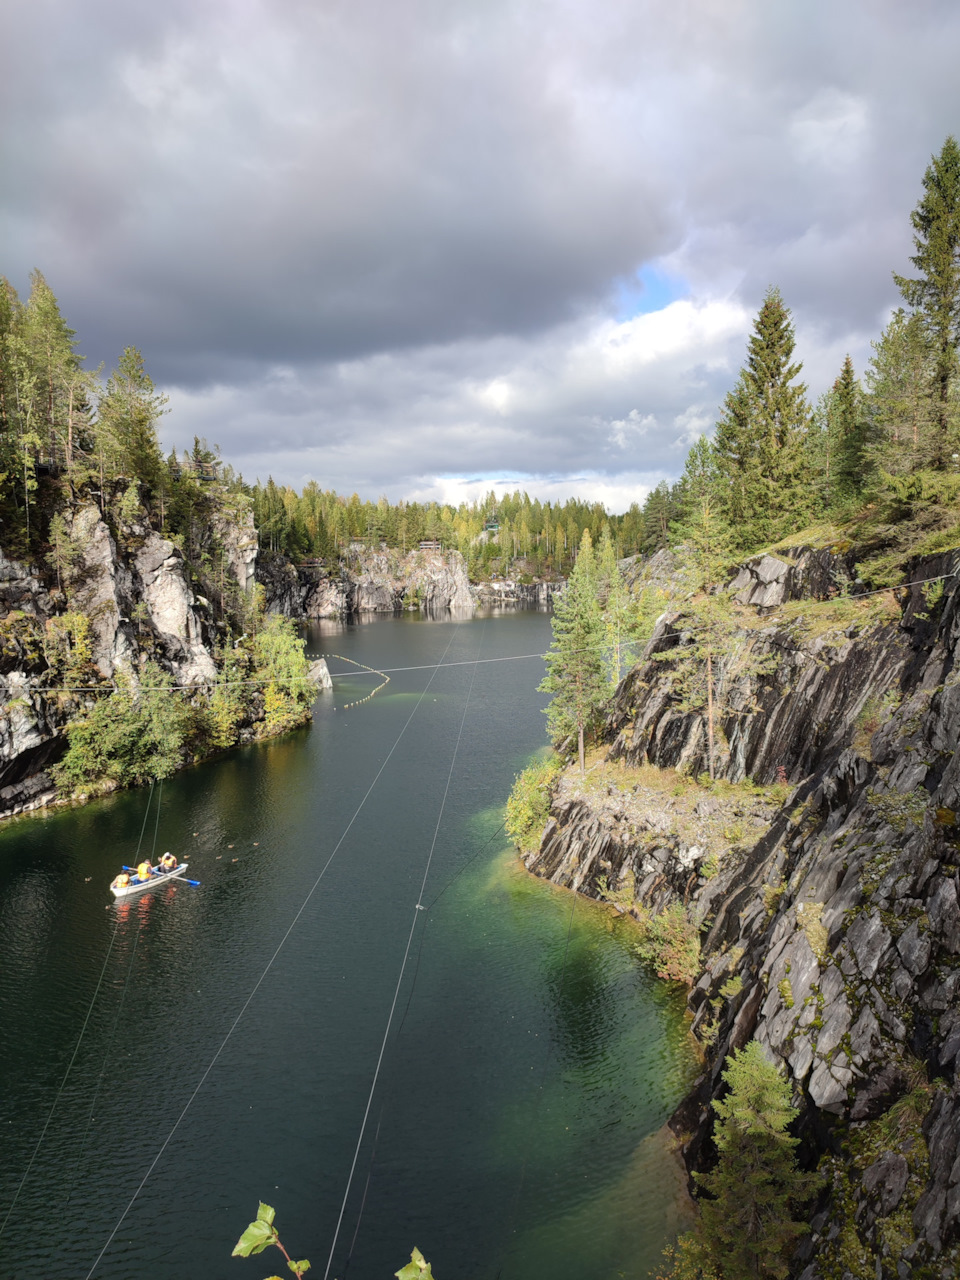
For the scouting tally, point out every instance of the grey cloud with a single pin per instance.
(326, 225)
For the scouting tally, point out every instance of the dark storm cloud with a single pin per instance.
(382, 243)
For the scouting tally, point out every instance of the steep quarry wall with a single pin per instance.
(826, 895)
(368, 582)
(139, 604)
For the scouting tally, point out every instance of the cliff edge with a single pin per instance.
(820, 876)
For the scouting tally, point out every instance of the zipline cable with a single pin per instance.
(418, 907)
(363, 1202)
(76, 1050)
(430, 905)
(413, 987)
(266, 970)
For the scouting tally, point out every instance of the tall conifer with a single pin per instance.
(847, 435)
(575, 670)
(760, 438)
(935, 295)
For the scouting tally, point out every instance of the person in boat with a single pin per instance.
(168, 862)
(144, 871)
(121, 881)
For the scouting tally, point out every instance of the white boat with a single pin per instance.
(136, 885)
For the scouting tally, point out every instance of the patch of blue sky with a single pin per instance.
(650, 288)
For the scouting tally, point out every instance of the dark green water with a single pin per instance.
(530, 1063)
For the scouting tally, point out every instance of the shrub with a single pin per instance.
(279, 661)
(138, 733)
(670, 942)
(529, 804)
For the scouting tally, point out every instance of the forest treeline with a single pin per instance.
(65, 430)
(878, 454)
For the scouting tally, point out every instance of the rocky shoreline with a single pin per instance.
(822, 872)
(135, 592)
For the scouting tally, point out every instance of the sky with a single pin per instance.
(423, 248)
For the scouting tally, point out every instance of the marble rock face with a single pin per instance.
(831, 936)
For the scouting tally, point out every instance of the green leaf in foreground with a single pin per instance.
(254, 1240)
(416, 1269)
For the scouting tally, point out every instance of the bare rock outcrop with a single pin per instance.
(368, 582)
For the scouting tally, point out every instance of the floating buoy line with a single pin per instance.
(363, 667)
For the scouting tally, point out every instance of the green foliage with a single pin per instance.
(847, 435)
(528, 806)
(416, 1269)
(746, 1225)
(228, 702)
(260, 1235)
(575, 671)
(282, 667)
(68, 650)
(934, 295)
(855, 1253)
(760, 439)
(139, 732)
(670, 942)
(808, 918)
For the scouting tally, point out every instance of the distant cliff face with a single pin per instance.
(829, 905)
(368, 582)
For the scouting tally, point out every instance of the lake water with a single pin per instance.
(231, 1033)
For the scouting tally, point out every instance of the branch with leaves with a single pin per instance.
(262, 1233)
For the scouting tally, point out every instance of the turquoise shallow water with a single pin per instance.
(530, 1065)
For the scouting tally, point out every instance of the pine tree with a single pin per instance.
(760, 437)
(126, 427)
(699, 665)
(64, 389)
(935, 295)
(658, 511)
(747, 1226)
(575, 674)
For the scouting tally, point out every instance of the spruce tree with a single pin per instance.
(761, 435)
(614, 598)
(847, 436)
(698, 484)
(899, 403)
(746, 1225)
(575, 672)
(935, 295)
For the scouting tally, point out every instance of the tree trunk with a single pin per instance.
(580, 744)
(710, 713)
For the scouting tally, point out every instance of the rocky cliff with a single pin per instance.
(821, 873)
(506, 592)
(367, 582)
(137, 603)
